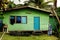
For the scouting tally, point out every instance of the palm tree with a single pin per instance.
(0, 4)
(55, 4)
(39, 3)
(4, 4)
(11, 5)
(7, 4)
(43, 4)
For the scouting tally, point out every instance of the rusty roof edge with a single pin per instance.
(25, 7)
(41, 9)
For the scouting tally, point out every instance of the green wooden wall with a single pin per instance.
(30, 13)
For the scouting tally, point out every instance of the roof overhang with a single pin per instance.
(8, 9)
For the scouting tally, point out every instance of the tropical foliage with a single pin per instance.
(6, 4)
(38, 3)
(34, 3)
(0, 4)
(58, 11)
(11, 5)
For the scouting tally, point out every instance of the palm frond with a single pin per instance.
(45, 3)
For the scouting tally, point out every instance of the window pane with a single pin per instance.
(24, 20)
(18, 19)
(12, 19)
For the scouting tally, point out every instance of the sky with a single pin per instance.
(17, 2)
(58, 3)
(22, 2)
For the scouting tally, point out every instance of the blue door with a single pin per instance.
(36, 23)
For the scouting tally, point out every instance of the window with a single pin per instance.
(18, 19)
(12, 19)
(23, 20)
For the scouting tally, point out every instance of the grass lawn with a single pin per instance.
(1, 34)
(40, 37)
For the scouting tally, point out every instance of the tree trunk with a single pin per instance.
(55, 4)
(0, 4)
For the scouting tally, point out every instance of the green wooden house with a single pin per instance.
(27, 19)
